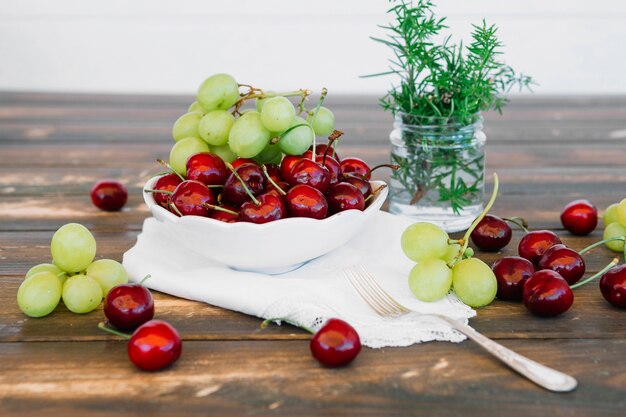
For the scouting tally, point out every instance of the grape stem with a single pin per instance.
(614, 262)
(319, 104)
(267, 175)
(101, 326)
(162, 162)
(258, 93)
(478, 219)
(613, 239)
(519, 222)
(244, 185)
(267, 322)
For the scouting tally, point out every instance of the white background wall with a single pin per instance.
(149, 46)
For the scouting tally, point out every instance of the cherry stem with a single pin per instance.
(277, 139)
(144, 279)
(176, 209)
(613, 239)
(478, 219)
(614, 262)
(519, 222)
(267, 175)
(148, 190)
(376, 191)
(331, 144)
(162, 162)
(267, 322)
(392, 166)
(215, 186)
(101, 326)
(319, 104)
(244, 185)
(218, 208)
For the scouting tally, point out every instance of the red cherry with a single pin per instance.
(271, 208)
(310, 173)
(282, 184)
(306, 201)
(335, 344)
(567, 262)
(287, 165)
(320, 149)
(580, 217)
(511, 273)
(547, 294)
(355, 166)
(613, 286)
(240, 161)
(330, 163)
(225, 216)
(491, 234)
(189, 197)
(109, 195)
(128, 306)
(234, 192)
(363, 185)
(208, 168)
(535, 243)
(167, 182)
(344, 196)
(154, 346)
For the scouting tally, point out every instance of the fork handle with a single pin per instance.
(541, 375)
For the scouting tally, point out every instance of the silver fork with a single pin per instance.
(385, 306)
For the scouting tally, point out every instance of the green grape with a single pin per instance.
(61, 275)
(248, 137)
(298, 140)
(430, 280)
(224, 152)
(215, 126)
(277, 114)
(621, 212)
(474, 282)
(186, 126)
(324, 123)
(182, 150)
(452, 252)
(218, 92)
(614, 230)
(39, 294)
(196, 106)
(269, 154)
(610, 214)
(424, 240)
(108, 273)
(73, 247)
(81, 294)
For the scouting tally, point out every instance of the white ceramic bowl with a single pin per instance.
(273, 247)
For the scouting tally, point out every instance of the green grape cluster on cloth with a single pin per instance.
(218, 122)
(73, 275)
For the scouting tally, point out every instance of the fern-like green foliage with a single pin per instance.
(444, 79)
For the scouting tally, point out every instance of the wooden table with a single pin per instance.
(53, 147)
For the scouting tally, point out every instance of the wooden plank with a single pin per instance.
(433, 379)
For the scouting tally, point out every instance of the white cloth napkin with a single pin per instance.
(309, 295)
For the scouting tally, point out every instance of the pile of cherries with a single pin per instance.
(546, 271)
(154, 344)
(249, 192)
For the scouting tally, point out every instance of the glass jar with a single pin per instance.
(441, 175)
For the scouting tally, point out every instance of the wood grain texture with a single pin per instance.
(53, 147)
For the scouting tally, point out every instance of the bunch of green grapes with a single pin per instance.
(441, 267)
(73, 275)
(615, 226)
(217, 122)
